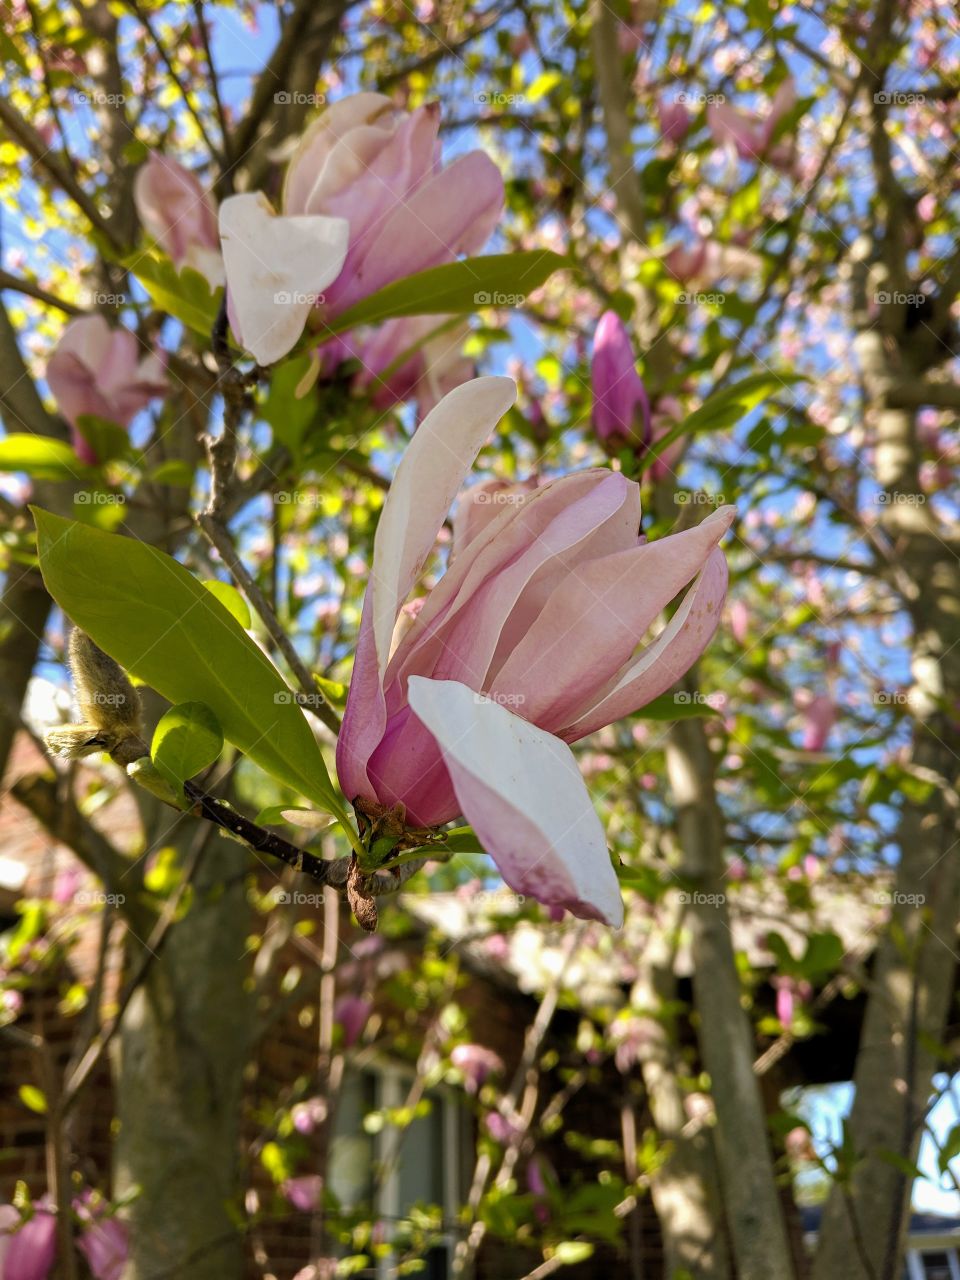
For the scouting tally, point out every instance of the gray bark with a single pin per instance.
(685, 1189)
(757, 1232)
(865, 1220)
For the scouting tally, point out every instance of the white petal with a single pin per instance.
(427, 480)
(275, 268)
(522, 792)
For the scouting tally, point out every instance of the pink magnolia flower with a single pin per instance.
(622, 416)
(353, 1014)
(476, 1063)
(709, 261)
(500, 1128)
(526, 644)
(750, 134)
(435, 363)
(537, 1187)
(621, 409)
(308, 1115)
(104, 1242)
(98, 370)
(366, 201)
(819, 718)
(182, 217)
(304, 1193)
(790, 991)
(674, 119)
(27, 1252)
(480, 504)
(66, 884)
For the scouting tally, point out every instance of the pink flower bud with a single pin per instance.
(103, 372)
(621, 410)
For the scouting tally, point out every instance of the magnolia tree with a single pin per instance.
(447, 447)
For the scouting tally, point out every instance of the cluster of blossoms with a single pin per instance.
(28, 1246)
(464, 702)
(366, 201)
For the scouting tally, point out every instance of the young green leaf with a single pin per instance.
(724, 409)
(185, 295)
(33, 1098)
(41, 458)
(107, 439)
(678, 706)
(459, 287)
(162, 625)
(187, 739)
(231, 599)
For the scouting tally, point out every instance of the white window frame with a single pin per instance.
(915, 1254)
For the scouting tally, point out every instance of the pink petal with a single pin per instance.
(308, 160)
(744, 131)
(522, 792)
(174, 208)
(593, 621)
(370, 172)
(481, 610)
(592, 512)
(670, 656)
(31, 1251)
(819, 719)
(427, 480)
(430, 473)
(453, 213)
(620, 405)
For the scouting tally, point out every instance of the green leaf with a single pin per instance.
(457, 840)
(187, 739)
(680, 706)
(232, 601)
(289, 416)
(822, 957)
(33, 1098)
(174, 471)
(41, 457)
(107, 439)
(9, 52)
(902, 1164)
(542, 85)
(724, 409)
(459, 287)
(569, 1252)
(162, 625)
(164, 873)
(295, 815)
(186, 295)
(334, 691)
(950, 1149)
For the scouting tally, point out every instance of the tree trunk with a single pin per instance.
(685, 1189)
(179, 1067)
(753, 1212)
(864, 1224)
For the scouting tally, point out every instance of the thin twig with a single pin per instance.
(215, 92)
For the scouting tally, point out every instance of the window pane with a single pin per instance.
(936, 1265)
(421, 1160)
(351, 1149)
